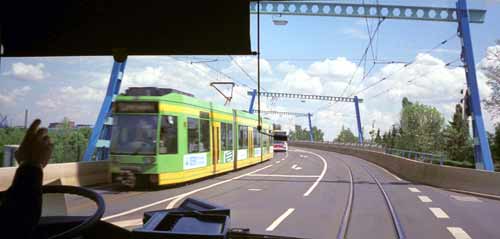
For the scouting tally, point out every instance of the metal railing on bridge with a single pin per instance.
(412, 155)
(418, 156)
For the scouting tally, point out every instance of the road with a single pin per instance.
(305, 193)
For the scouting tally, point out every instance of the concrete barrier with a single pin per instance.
(447, 177)
(76, 174)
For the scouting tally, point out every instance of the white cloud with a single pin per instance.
(82, 93)
(9, 97)
(300, 81)
(23, 71)
(285, 67)
(249, 64)
(428, 80)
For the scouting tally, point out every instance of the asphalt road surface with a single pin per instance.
(317, 194)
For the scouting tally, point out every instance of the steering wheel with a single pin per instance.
(89, 221)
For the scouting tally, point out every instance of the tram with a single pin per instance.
(165, 136)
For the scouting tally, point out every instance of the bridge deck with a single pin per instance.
(305, 193)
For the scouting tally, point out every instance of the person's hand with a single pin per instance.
(36, 147)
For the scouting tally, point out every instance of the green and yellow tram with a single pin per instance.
(164, 136)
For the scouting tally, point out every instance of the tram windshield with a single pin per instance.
(134, 134)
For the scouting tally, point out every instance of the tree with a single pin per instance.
(491, 67)
(346, 136)
(457, 141)
(420, 128)
(495, 144)
(378, 139)
(303, 134)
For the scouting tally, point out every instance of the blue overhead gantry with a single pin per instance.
(355, 100)
(309, 115)
(461, 14)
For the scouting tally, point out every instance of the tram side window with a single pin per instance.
(256, 137)
(264, 143)
(198, 135)
(193, 135)
(243, 137)
(204, 135)
(226, 136)
(168, 135)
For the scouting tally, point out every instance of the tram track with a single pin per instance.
(394, 216)
(346, 218)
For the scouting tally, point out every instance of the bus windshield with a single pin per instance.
(134, 134)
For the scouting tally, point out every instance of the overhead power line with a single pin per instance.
(410, 81)
(244, 71)
(404, 66)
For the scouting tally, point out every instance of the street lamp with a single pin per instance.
(279, 21)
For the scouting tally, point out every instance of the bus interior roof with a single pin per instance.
(146, 27)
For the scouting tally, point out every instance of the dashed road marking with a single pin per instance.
(255, 189)
(458, 233)
(323, 172)
(465, 198)
(277, 162)
(414, 190)
(438, 212)
(280, 219)
(181, 196)
(283, 175)
(293, 166)
(424, 199)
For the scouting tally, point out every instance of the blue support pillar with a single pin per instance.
(482, 153)
(358, 119)
(101, 129)
(252, 100)
(311, 133)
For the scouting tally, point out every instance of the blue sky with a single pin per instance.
(309, 55)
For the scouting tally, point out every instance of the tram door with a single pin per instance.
(250, 142)
(215, 144)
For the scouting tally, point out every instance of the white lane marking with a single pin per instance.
(283, 175)
(465, 198)
(255, 189)
(137, 209)
(277, 162)
(293, 166)
(414, 190)
(438, 212)
(424, 199)
(128, 223)
(458, 233)
(179, 197)
(282, 159)
(280, 219)
(171, 198)
(323, 172)
(298, 168)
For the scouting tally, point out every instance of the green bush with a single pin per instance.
(69, 144)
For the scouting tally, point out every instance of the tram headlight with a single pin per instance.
(149, 160)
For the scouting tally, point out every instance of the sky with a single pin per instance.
(310, 55)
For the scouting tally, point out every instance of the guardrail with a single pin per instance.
(412, 155)
(443, 176)
(418, 156)
(76, 174)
